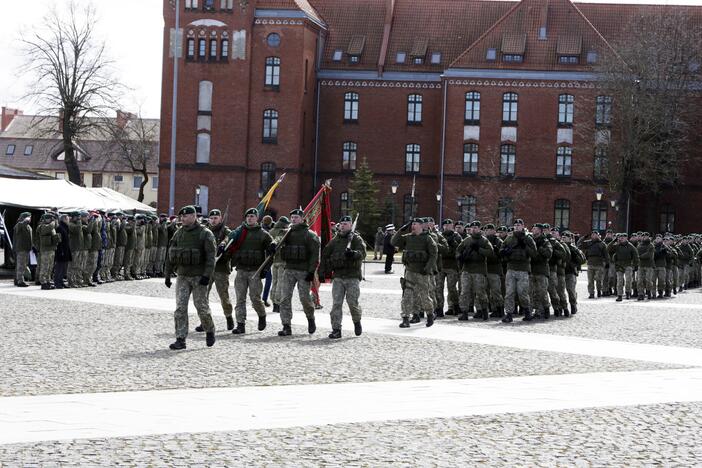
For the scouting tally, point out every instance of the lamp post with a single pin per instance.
(460, 208)
(438, 201)
(174, 111)
(393, 188)
(197, 195)
(260, 193)
(598, 194)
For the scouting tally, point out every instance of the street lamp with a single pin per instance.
(394, 186)
(260, 193)
(598, 193)
(438, 201)
(197, 195)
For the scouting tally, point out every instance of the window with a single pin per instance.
(154, 183)
(667, 219)
(564, 161)
(409, 206)
(202, 153)
(190, 3)
(467, 207)
(270, 126)
(401, 56)
(561, 214)
(418, 60)
(472, 116)
(204, 102)
(338, 53)
(137, 180)
(509, 108)
(491, 55)
(348, 158)
(28, 150)
(226, 4)
(191, 48)
(202, 48)
(414, 109)
(354, 58)
(508, 156)
(514, 58)
(118, 179)
(60, 175)
(267, 176)
(345, 205)
(601, 163)
(599, 215)
(213, 48)
(273, 40)
(351, 107)
(272, 79)
(412, 153)
(97, 180)
(224, 54)
(568, 59)
(566, 104)
(436, 58)
(542, 33)
(470, 159)
(603, 110)
(10, 150)
(592, 57)
(208, 5)
(505, 211)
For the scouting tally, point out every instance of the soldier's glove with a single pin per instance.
(168, 281)
(349, 253)
(204, 281)
(263, 274)
(309, 277)
(220, 249)
(271, 248)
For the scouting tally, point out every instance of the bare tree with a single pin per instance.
(649, 95)
(72, 78)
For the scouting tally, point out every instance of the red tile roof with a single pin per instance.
(302, 5)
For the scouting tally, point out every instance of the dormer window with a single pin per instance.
(354, 59)
(513, 46)
(569, 49)
(491, 55)
(592, 57)
(568, 59)
(337, 55)
(355, 48)
(400, 58)
(515, 58)
(436, 58)
(418, 60)
(419, 50)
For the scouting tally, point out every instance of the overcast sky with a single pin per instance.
(133, 32)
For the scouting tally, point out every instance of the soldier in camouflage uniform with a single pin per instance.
(342, 258)
(646, 252)
(574, 261)
(75, 241)
(419, 257)
(671, 266)
(90, 254)
(120, 244)
(139, 248)
(597, 258)
(192, 257)
(22, 244)
(443, 249)
(162, 243)
(129, 248)
(610, 272)
(540, 272)
(300, 252)
(278, 268)
(472, 255)
(254, 243)
(518, 249)
(223, 268)
(561, 251)
(686, 261)
(494, 274)
(660, 259)
(449, 272)
(625, 258)
(48, 239)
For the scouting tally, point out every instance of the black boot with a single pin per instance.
(463, 317)
(421, 315)
(178, 344)
(335, 334)
(566, 312)
(276, 308)
(450, 312)
(573, 309)
(311, 326)
(628, 296)
(230, 323)
(497, 313)
(640, 298)
(199, 328)
(405, 322)
(261, 322)
(210, 339)
(357, 328)
(240, 329)
(619, 298)
(286, 331)
(416, 318)
(528, 317)
(591, 296)
(557, 312)
(485, 314)
(547, 313)
(508, 318)
(430, 319)
(439, 313)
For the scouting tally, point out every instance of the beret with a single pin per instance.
(447, 221)
(297, 211)
(215, 212)
(188, 209)
(519, 221)
(345, 219)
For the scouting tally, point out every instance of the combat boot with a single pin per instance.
(261, 322)
(573, 308)
(667, 293)
(591, 296)
(566, 312)
(464, 316)
(628, 296)
(557, 312)
(199, 328)
(178, 344)
(335, 334)
(405, 322)
(311, 326)
(276, 308)
(528, 317)
(286, 331)
(240, 329)
(415, 318)
(599, 293)
(421, 315)
(210, 339)
(439, 313)
(230, 323)
(430, 319)
(497, 313)
(485, 314)
(640, 298)
(450, 312)
(619, 298)
(508, 318)
(357, 328)
(547, 313)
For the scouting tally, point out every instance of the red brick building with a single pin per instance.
(480, 102)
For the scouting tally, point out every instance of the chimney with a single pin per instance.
(7, 116)
(543, 22)
(123, 118)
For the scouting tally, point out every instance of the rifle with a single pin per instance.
(353, 232)
(269, 257)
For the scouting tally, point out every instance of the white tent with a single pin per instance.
(62, 194)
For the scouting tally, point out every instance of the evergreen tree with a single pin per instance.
(364, 195)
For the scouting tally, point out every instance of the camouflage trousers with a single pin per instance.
(138, 262)
(416, 296)
(21, 260)
(290, 279)
(152, 252)
(47, 265)
(645, 280)
(90, 265)
(186, 285)
(118, 261)
(473, 291)
(432, 292)
(220, 280)
(624, 281)
(516, 284)
(660, 276)
(557, 290)
(494, 283)
(75, 268)
(672, 278)
(160, 259)
(350, 289)
(571, 281)
(277, 271)
(108, 258)
(248, 280)
(451, 278)
(595, 277)
(611, 277)
(128, 263)
(539, 292)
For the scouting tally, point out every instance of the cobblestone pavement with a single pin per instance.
(660, 435)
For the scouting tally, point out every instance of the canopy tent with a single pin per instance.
(66, 196)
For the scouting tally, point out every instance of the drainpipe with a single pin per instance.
(443, 154)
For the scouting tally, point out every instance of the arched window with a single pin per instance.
(566, 108)
(409, 206)
(509, 108)
(599, 215)
(412, 154)
(345, 204)
(213, 49)
(351, 107)
(472, 116)
(272, 79)
(191, 48)
(564, 161)
(267, 176)
(202, 48)
(505, 211)
(508, 159)
(470, 159)
(348, 157)
(270, 126)
(414, 109)
(561, 214)
(467, 208)
(204, 101)
(224, 50)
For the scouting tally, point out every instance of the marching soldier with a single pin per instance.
(129, 249)
(22, 239)
(48, 239)
(120, 244)
(660, 259)
(540, 272)
(342, 258)
(472, 255)
(419, 257)
(646, 252)
(518, 248)
(597, 258)
(494, 274)
(222, 270)
(300, 252)
(278, 267)
(75, 241)
(574, 261)
(562, 253)
(443, 248)
(192, 256)
(449, 272)
(388, 248)
(625, 258)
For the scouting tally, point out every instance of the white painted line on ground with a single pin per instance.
(475, 335)
(123, 414)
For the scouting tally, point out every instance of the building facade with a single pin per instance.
(488, 109)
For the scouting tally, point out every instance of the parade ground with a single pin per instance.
(88, 380)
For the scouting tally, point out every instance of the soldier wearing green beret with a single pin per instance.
(278, 267)
(22, 244)
(48, 239)
(518, 249)
(449, 271)
(472, 254)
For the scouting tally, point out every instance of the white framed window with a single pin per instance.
(566, 109)
(505, 211)
(599, 215)
(10, 150)
(213, 48)
(351, 107)
(470, 159)
(508, 159)
(561, 214)
(414, 109)
(272, 77)
(412, 156)
(154, 182)
(191, 48)
(348, 156)
(224, 54)
(509, 108)
(118, 179)
(270, 126)
(202, 48)
(28, 150)
(603, 110)
(336, 56)
(468, 208)
(564, 161)
(137, 180)
(472, 116)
